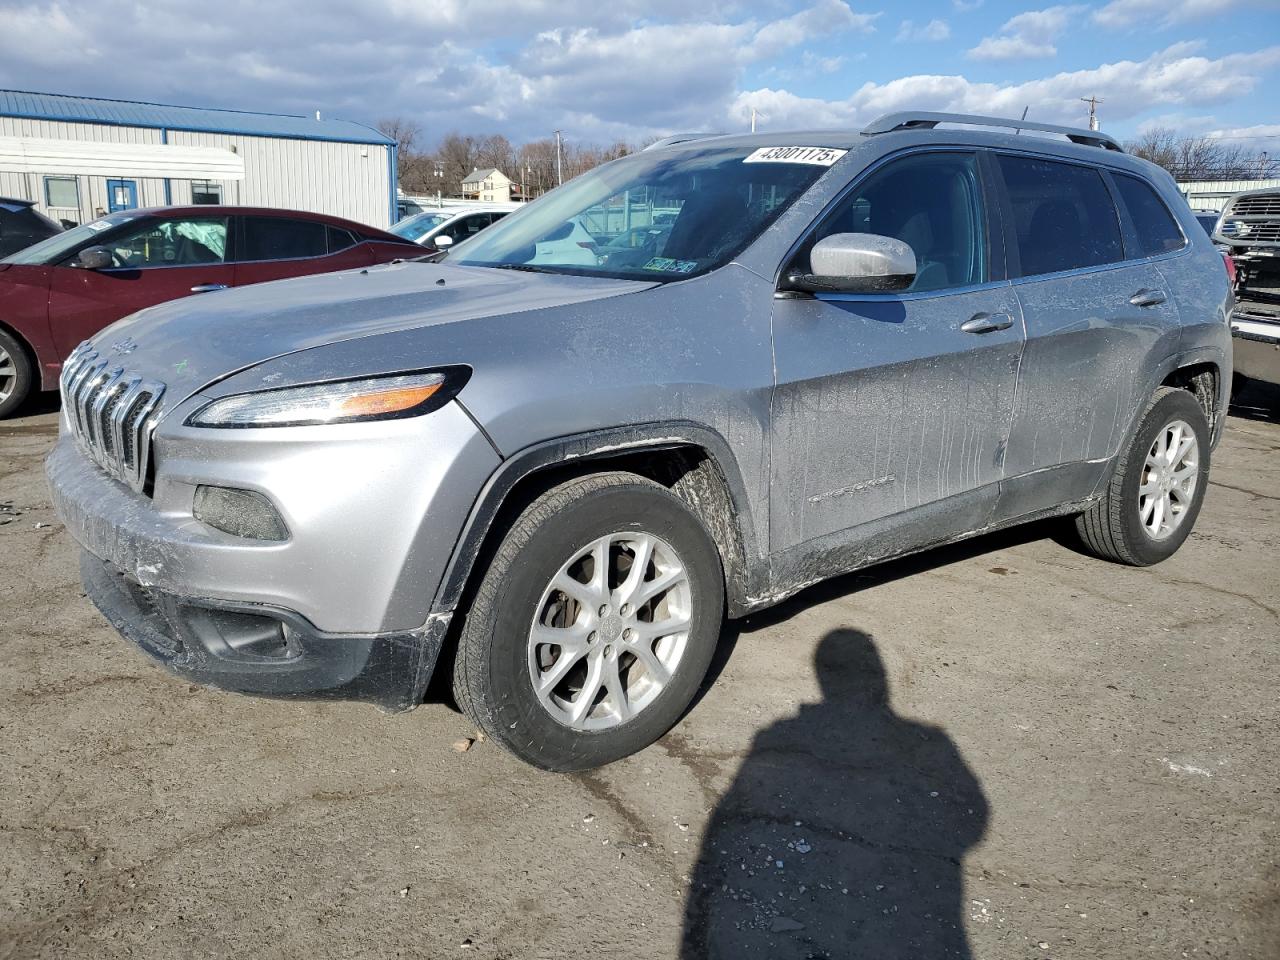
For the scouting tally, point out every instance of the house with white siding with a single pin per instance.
(79, 157)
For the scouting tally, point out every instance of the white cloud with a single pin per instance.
(627, 69)
(1174, 77)
(1126, 13)
(965, 6)
(931, 31)
(1028, 35)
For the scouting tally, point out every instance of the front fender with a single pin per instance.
(745, 573)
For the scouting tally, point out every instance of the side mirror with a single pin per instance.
(442, 241)
(93, 258)
(857, 263)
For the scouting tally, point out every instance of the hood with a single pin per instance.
(189, 343)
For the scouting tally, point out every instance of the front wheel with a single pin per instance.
(1155, 494)
(16, 375)
(593, 626)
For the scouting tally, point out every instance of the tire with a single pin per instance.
(494, 670)
(1117, 527)
(16, 374)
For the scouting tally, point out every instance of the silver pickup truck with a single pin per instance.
(1249, 229)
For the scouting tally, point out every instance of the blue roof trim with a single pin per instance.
(129, 113)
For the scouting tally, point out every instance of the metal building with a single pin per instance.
(78, 157)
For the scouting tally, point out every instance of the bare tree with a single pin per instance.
(410, 161)
(1197, 158)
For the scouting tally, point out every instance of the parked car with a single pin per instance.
(57, 292)
(565, 475)
(458, 225)
(21, 225)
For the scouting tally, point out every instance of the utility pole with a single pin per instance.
(559, 163)
(756, 115)
(1093, 110)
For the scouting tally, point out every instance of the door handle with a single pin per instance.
(986, 322)
(1148, 298)
(208, 287)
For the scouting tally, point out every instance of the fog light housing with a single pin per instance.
(241, 513)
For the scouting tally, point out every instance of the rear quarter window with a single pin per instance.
(1157, 230)
(278, 238)
(1063, 216)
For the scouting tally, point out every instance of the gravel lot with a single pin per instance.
(999, 750)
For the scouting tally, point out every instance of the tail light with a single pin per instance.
(1231, 269)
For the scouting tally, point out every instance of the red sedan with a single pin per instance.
(66, 288)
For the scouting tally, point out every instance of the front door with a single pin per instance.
(153, 260)
(890, 418)
(122, 195)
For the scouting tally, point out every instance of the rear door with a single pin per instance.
(154, 260)
(890, 419)
(272, 248)
(1096, 308)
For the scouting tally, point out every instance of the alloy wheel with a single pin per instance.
(1169, 480)
(610, 630)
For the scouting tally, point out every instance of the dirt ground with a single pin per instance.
(999, 750)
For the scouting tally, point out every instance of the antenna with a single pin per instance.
(1093, 110)
(1018, 132)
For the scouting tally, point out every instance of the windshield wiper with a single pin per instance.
(526, 267)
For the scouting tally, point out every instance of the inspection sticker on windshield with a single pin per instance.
(667, 265)
(817, 156)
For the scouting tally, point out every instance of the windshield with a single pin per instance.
(661, 215)
(415, 228)
(53, 249)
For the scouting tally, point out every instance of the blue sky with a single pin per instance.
(634, 68)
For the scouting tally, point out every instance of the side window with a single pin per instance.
(172, 243)
(1157, 231)
(1063, 216)
(340, 239)
(472, 225)
(932, 201)
(279, 238)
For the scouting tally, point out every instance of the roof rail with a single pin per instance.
(679, 138)
(926, 121)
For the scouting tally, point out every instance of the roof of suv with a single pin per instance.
(899, 123)
(901, 130)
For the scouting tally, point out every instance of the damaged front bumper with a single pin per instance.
(264, 651)
(341, 608)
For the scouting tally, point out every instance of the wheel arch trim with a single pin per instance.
(742, 573)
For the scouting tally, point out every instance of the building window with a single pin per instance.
(62, 192)
(206, 192)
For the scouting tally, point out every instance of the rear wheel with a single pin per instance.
(16, 375)
(1155, 494)
(594, 624)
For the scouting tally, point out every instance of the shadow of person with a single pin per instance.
(842, 835)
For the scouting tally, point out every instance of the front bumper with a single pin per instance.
(263, 651)
(1256, 344)
(342, 608)
(373, 513)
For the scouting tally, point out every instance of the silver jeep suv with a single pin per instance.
(563, 470)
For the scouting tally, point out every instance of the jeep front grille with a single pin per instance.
(112, 414)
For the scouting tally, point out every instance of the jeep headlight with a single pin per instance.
(340, 401)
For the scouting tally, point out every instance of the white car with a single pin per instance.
(456, 224)
(571, 244)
